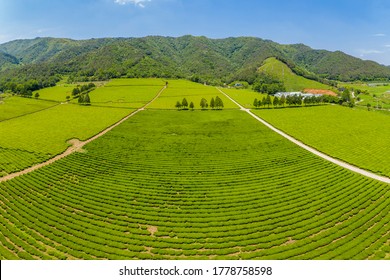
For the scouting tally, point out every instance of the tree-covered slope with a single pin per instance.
(196, 58)
(291, 81)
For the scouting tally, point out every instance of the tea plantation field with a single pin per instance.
(193, 92)
(38, 135)
(356, 136)
(170, 184)
(15, 106)
(127, 93)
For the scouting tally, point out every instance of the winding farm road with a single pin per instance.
(76, 144)
(310, 149)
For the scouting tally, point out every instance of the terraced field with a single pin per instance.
(193, 185)
(356, 136)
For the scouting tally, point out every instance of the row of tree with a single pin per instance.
(83, 89)
(215, 103)
(292, 100)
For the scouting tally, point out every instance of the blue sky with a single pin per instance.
(357, 27)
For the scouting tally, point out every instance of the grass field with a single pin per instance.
(355, 136)
(193, 185)
(14, 106)
(291, 81)
(193, 92)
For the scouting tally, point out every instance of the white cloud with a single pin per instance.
(379, 35)
(139, 3)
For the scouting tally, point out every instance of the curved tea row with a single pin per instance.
(174, 185)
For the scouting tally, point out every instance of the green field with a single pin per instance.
(244, 96)
(291, 81)
(37, 137)
(356, 136)
(42, 134)
(193, 92)
(378, 94)
(15, 106)
(212, 184)
(57, 93)
(129, 93)
(199, 185)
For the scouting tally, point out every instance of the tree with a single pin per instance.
(192, 105)
(368, 106)
(75, 91)
(256, 103)
(264, 101)
(84, 99)
(282, 100)
(212, 103)
(36, 95)
(218, 103)
(184, 103)
(276, 101)
(178, 105)
(203, 103)
(259, 103)
(268, 100)
(67, 98)
(87, 100)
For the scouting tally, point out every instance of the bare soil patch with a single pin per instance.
(319, 91)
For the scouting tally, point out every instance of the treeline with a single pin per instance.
(82, 93)
(198, 59)
(26, 88)
(293, 100)
(215, 103)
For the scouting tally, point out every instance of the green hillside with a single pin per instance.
(200, 59)
(291, 81)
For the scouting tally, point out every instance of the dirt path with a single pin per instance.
(77, 145)
(310, 149)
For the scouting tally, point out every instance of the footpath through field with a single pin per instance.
(76, 144)
(310, 149)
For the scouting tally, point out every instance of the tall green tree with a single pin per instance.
(203, 103)
(178, 105)
(192, 105)
(282, 100)
(184, 103)
(268, 100)
(212, 103)
(276, 101)
(218, 103)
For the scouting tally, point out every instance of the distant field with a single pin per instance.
(244, 96)
(193, 185)
(193, 92)
(130, 93)
(15, 106)
(57, 93)
(355, 136)
(39, 136)
(291, 81)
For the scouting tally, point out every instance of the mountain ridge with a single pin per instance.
(193, 57)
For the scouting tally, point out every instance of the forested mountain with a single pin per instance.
(196, 58)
